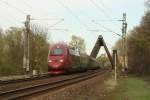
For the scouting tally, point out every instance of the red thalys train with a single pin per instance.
(63, 59)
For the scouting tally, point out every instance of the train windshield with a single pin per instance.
(57, 51)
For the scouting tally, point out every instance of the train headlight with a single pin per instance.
(50, 61)
(61, 60)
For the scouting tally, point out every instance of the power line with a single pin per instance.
(103, 11)
(107, 28)
(59, 21)
(53, 25)
(58, 29)
(10, 5)
(29, 6)
(11, 19)
(97, 30)
(70, 11)
(99, 8)
(108, 20)
(45, 19)
(101, 2)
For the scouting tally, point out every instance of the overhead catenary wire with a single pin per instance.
(57, 23)
(106, 28)
(97, 30)
(108, 20)
(12, 6)
(57, 29)
(102, 3)
(100, 9)
(47, 19)
(29, 6)
(50, 27)
(74, 15)
(10, 19)
(32, 7)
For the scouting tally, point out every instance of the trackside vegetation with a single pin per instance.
(12, 49)
(138, 43)
(129, 88)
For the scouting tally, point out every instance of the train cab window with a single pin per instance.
(56, 51)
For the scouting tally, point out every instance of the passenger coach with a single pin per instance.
(63, 59)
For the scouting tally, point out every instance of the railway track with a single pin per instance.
(50, 85)
(31, 78)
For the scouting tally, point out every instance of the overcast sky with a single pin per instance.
(74, 17)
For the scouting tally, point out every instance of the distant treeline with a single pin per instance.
(139, 47)
(12, 50)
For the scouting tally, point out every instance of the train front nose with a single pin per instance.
(56, 61)
(56, 64)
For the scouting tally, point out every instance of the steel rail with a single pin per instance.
(30, 78)
(18, 93)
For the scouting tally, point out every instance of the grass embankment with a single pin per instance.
(130, 88)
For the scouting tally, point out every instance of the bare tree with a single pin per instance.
(38, 48)
(11, 50)
(78, 43)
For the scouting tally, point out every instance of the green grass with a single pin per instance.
(130, 88)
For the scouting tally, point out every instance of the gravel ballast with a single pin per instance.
(92, 89)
